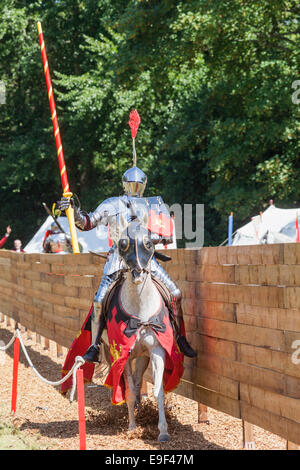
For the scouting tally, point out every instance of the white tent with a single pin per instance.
(271, 226)
(94, 240)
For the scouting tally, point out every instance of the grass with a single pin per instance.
(12, 438)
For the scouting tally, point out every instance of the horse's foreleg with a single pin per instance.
(129, 394)
(158, 364)
(141, 365)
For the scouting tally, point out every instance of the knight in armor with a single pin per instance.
(56, 241)
(109, 213)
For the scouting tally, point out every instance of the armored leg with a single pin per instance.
(98, 320)
(176, 317)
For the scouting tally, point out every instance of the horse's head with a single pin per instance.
(136, 249)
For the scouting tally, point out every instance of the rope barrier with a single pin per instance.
(77, 382)
(79, 361)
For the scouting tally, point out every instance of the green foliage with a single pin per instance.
(211, 80)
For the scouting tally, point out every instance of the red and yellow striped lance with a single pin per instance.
(60, 154)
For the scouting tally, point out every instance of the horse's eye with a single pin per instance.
(147, 243)
(124, 244)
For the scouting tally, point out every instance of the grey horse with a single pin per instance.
(139, 296)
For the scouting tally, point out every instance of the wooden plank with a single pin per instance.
(60, 289)
(45, 327)
(64, 336)
(217, 383)
(41, 286)
(292, 386)
(207, 256)
(42, 306)
(188, 289)
(78, 260)
(275, 360)
(189, 255)
(291, 253)
(208, 398)
(263, 337)
(276, 424)
(190, 321)
(269, 275)
(218, 310)
(245, 373)
(291, 297)
(52, 278)
(275, 318)
(209, 345)
(67, 321)
(265, 296)
(208, 273)
(40, 267)
(32, 275)
(217, 401)
(5, 261)
(78, 303)
(53, 260)
(274, 403)
(80, 269)
(79, 281)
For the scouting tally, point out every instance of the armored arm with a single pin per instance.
(87, 221)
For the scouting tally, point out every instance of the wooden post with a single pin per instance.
(38, 338)
(144, 389)
(47, 344)
(291, 446)
(202, 414)
(59, 350)
(1, 317)
(248, 439)
(29, 334)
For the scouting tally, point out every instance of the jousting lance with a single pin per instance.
(60, 154)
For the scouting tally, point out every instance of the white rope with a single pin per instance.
(79, 361)
(4, 348)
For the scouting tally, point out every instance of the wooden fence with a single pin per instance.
(242, 314)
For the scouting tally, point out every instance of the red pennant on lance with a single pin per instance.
(134, 122)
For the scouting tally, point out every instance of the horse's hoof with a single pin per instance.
(163, 438)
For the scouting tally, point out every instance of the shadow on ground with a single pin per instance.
(104, 419)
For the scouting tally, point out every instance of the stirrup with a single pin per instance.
(92, 354)
(185, 347)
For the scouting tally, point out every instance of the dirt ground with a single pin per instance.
(46, 416)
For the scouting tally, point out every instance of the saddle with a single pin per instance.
(159, 285)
